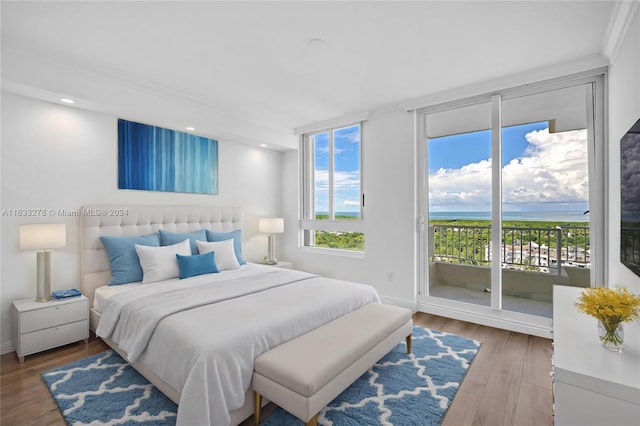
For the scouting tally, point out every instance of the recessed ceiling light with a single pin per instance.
(263, 145)
(316, 42)
(191, 129)
(67, 101)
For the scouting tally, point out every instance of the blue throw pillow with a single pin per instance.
(237, 241)
(170, 238)
(197, 264)
(125, 263)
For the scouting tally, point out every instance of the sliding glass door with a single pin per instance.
(459, 203)
(507, 203)
(545, 196)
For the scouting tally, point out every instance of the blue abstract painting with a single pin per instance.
(156, 159)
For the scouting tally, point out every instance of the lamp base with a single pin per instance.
(270, 259)
(43, 276)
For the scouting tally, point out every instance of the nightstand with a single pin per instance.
(283, 265)
(38, 326)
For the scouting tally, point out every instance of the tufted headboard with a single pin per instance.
(97, 220)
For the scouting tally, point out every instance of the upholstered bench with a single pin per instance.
(304, 374)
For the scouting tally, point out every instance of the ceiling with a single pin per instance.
(247, 71)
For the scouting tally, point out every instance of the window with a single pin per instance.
(333, 202)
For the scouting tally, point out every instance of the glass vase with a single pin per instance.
(611, 335)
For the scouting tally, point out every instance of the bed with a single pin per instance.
(196, 338)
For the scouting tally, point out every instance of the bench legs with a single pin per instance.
(409, 344)
(257, 406)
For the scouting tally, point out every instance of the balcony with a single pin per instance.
(533, 260)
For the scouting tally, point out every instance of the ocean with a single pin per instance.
(571, 216)
(528, 216)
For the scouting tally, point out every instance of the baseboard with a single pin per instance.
(409, 304)
(6, 348)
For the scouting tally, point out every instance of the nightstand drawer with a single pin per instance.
(56, 314)
(55, 336)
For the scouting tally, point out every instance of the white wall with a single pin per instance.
(57, 157)
(388, 146)
(624, 110)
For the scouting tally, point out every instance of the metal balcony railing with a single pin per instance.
(528, 249)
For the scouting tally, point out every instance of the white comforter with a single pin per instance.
(202, 334)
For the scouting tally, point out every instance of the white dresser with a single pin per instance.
(39, 326)
(592, 385)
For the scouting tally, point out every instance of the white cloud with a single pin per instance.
(346, 189)
(341, 180)
(553, 169)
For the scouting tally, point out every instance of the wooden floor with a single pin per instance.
(508, 382)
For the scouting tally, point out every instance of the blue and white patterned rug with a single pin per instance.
(104, 389)
(399, 390)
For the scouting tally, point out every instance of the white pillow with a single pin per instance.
(160, 263)
(224, 252)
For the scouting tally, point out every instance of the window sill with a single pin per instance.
(333, 252)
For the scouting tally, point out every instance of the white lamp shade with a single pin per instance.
(271, 225)
(43, 236)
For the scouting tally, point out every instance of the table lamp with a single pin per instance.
(271, 225)
(43, 237)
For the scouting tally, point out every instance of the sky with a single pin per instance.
(346, 170)
(541, 171)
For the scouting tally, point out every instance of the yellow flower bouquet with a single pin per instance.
(611, 308)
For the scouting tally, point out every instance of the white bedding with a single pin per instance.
(105, 292)
(207, 353)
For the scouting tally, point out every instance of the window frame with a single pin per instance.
(307, 196)
(598, 199)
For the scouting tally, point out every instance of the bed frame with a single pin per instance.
(95, 270)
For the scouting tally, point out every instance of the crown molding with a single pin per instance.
(573, 67)
(621, 19)
(27, 53)
(22, 56)
(274, 142)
